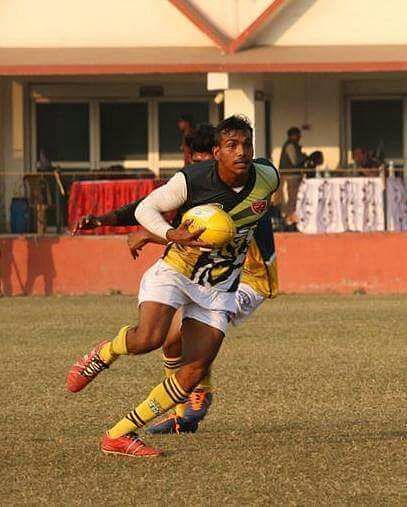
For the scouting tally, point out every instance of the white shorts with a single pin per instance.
(247, 300)
(163, 284)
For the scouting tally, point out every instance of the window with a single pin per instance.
(377, 125)
(63, 131)
(169, 135)
(76, 132)
(123, 131)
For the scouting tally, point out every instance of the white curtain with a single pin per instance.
(340, 204)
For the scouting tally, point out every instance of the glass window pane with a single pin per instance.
(170, 136)
(124, 131)
(63, 131)
(377, 125)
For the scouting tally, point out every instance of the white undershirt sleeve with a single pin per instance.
(169, 197)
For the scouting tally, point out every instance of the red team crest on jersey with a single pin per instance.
(259, 206)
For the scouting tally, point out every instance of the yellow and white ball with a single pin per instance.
(219, 227)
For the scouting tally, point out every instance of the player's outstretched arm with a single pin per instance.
(136, 241)
(87, 223)
(120, 217)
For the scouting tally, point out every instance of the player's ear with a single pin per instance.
(215, 152)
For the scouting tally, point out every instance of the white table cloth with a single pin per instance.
(340, 204)
(396, 212)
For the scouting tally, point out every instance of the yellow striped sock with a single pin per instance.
(115, 348)
(171, 366)
(163, 397)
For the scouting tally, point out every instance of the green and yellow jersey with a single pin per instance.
(260, 267)
(222, 268)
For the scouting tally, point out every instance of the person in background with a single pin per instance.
(363, 160)
(184, 124)
(291, 157)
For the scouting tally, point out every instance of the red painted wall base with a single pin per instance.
(330, 263)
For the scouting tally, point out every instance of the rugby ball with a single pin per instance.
(219, 227)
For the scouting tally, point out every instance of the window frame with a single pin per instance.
(129, 163)
(74, 164)
(348, 122)
(153, 162)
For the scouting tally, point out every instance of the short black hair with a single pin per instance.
(293, 131)
(201, 140)
(185, 117)
(235, 122)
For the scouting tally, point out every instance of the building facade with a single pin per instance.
(95, 84)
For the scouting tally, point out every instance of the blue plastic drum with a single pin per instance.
(20, 215)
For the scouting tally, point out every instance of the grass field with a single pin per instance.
(310, 408)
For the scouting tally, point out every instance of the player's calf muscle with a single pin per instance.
(201, 344)
(190, 375)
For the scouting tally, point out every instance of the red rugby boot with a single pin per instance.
(128, 445)
(85, 369)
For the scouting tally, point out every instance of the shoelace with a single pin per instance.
(135, 444)
(94, 367)
(197, 399)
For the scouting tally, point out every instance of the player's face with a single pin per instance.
(235, 152)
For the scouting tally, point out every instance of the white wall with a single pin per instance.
(140, 23)
(95, 23)
(231, 16)
(330, 22)
(315, 100)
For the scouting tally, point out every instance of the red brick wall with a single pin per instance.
(331, 263)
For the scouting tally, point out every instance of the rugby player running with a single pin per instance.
(259, 281)
(204, 283)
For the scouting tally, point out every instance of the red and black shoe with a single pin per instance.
(172, 425)
(85, 369)
(128, 445)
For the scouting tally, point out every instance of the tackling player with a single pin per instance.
(203, 283)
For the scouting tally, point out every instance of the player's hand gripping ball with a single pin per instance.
(219, 227)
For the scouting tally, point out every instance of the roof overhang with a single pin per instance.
(272, 59)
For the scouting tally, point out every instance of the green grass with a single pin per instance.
(310, 408)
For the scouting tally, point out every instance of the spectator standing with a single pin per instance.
(292, 157)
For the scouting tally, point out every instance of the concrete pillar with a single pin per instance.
(13, 113)
(240, 93)
(2, 168)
